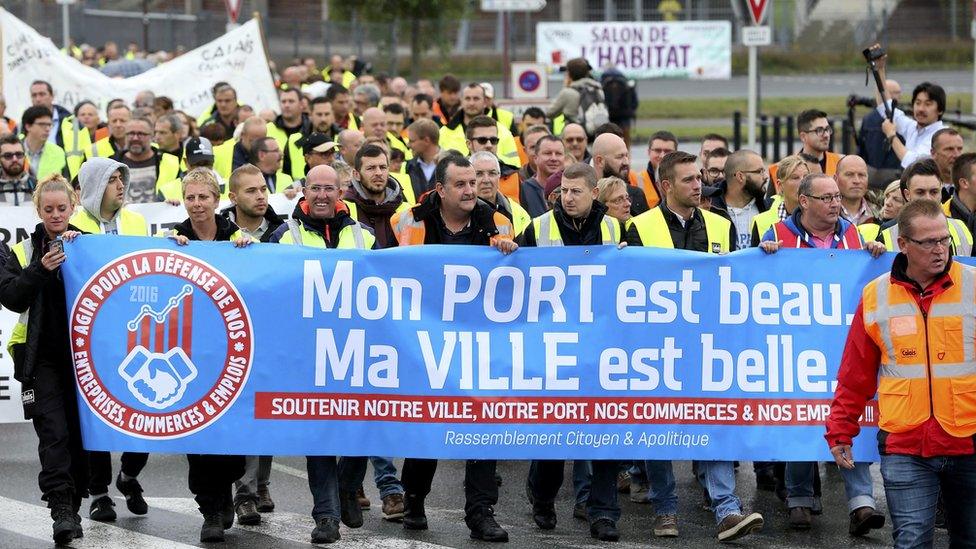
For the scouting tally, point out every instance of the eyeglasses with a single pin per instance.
(485, 140)
(620, 200)
(930, 243)
(11, 155)
(315, 189)
(488, 173)
(718, 171)
(826, 198)
(662, 151)
(821, 131)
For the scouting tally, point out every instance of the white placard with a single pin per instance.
(757, 36)
(688, 49)
(237, 58)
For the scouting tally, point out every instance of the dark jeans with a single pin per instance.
(546, 476)
(912, 486)
(132, 464)
(324, 484)
(64, 462)
(480, 488)
(211, 480)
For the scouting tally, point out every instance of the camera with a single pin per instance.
(855, 100)
(872, 54)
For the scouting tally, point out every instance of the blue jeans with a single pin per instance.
(385, 476)
(718, 478)
(857, 485)
(582, 477)
(323, 482)
(912, 486)
(660, 476)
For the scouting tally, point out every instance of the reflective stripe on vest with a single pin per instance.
(962, 239)
(642, 180)
(351, 236)
(928, 362)
(548, 235)
(24, 250)
(127, 223)
(654, 231)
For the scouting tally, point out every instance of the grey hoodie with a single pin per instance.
(93, 178)
(392, 189)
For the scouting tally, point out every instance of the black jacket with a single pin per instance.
(35, 288)
(429, 212)
(690, 236)
(588, 233)
(225, 229)
(328, 229)
(721, 207)
(418, 181)
(274, 220)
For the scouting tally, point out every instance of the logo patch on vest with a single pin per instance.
(903, 326)
(27, 397)
(941, 355)
(716, 248)
(908, 353)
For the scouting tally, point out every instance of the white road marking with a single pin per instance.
(34, 521)
(288, 470)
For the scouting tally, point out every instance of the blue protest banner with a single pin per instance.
(448, 352)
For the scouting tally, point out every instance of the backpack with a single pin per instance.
(592, 109)
(621, 97)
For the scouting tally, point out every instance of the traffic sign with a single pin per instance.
(757, 36)
(233, 9)
(512, 5)
(529, 81)
(757, 10)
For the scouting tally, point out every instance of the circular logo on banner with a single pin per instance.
(162, 344)
(529, 81)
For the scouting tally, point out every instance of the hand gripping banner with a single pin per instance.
(461, 352)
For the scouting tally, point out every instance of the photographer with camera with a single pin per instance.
(883, 163)
(30, 284)
(928, 106)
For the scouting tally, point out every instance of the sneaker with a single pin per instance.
(666, 526)
(326, 530)
(247, 513)
(213, 528)
(132, 491)
(393, 507)
(736, 526)
(349, 510)
(414, 517)
(63, 521)
(623, 482)
(102, 510)
(265, 503)
(800, 518)
(639, 493)
(364, 502)
(544, 515)
(604, 530)
(865, 519)
(579, 511)
(483, 526)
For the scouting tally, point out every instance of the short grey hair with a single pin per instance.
(371, 92)
(175, 123)
(485, 155)
(806, 184)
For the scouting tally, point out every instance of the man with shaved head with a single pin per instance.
(321, 220)
(350, 142)
(611, 158)
(741, 196)
(254, 128)
(852, 180)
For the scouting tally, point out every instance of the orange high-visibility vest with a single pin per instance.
(831, 168)
(642, 180)
(928, 362)
(510, 185)
(410, 232)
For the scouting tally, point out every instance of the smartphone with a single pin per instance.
(56, 246)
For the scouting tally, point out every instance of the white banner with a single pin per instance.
(237, 58)
(691, 49)
(18, 222)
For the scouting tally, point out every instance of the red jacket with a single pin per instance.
(857, 382)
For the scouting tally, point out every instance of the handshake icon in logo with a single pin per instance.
(157, 379)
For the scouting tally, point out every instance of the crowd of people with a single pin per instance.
(379, 162)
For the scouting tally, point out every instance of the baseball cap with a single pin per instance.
(489, 90)
(198, 149)
(316, 141)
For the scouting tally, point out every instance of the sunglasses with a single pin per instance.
(486, 140)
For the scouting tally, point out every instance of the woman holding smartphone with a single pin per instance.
(30, 284)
